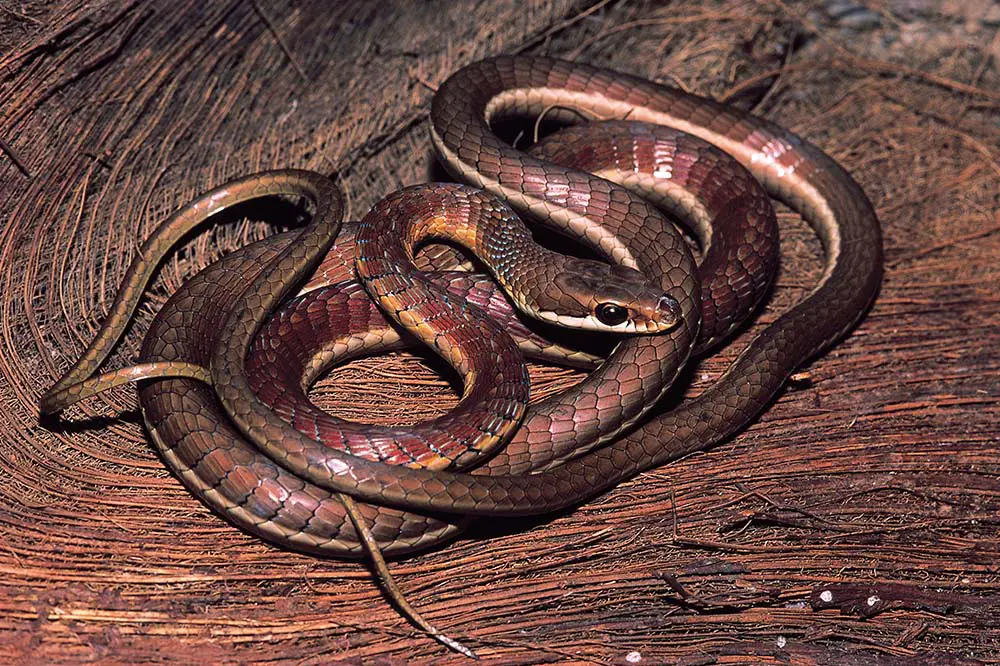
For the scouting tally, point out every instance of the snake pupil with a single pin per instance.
(610, 314)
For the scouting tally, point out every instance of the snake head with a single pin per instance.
(596, 296)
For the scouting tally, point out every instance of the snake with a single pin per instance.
(282, 483)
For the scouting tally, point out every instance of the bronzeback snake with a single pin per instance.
(284, 484)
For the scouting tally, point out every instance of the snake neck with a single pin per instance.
(473, 219)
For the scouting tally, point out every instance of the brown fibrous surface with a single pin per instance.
(855, 522)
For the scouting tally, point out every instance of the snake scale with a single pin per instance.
(238, 429)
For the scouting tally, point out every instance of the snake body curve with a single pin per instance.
(788, 166)
(275, 503)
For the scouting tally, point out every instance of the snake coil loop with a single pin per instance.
(288, 495)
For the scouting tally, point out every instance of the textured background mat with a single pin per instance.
(856, 522)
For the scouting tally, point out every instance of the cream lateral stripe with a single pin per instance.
(776, 178)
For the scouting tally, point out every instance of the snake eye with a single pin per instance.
(611, 314)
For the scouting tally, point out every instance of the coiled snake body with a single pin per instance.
(213, 320)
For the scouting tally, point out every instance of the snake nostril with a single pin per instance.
(668, 308)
